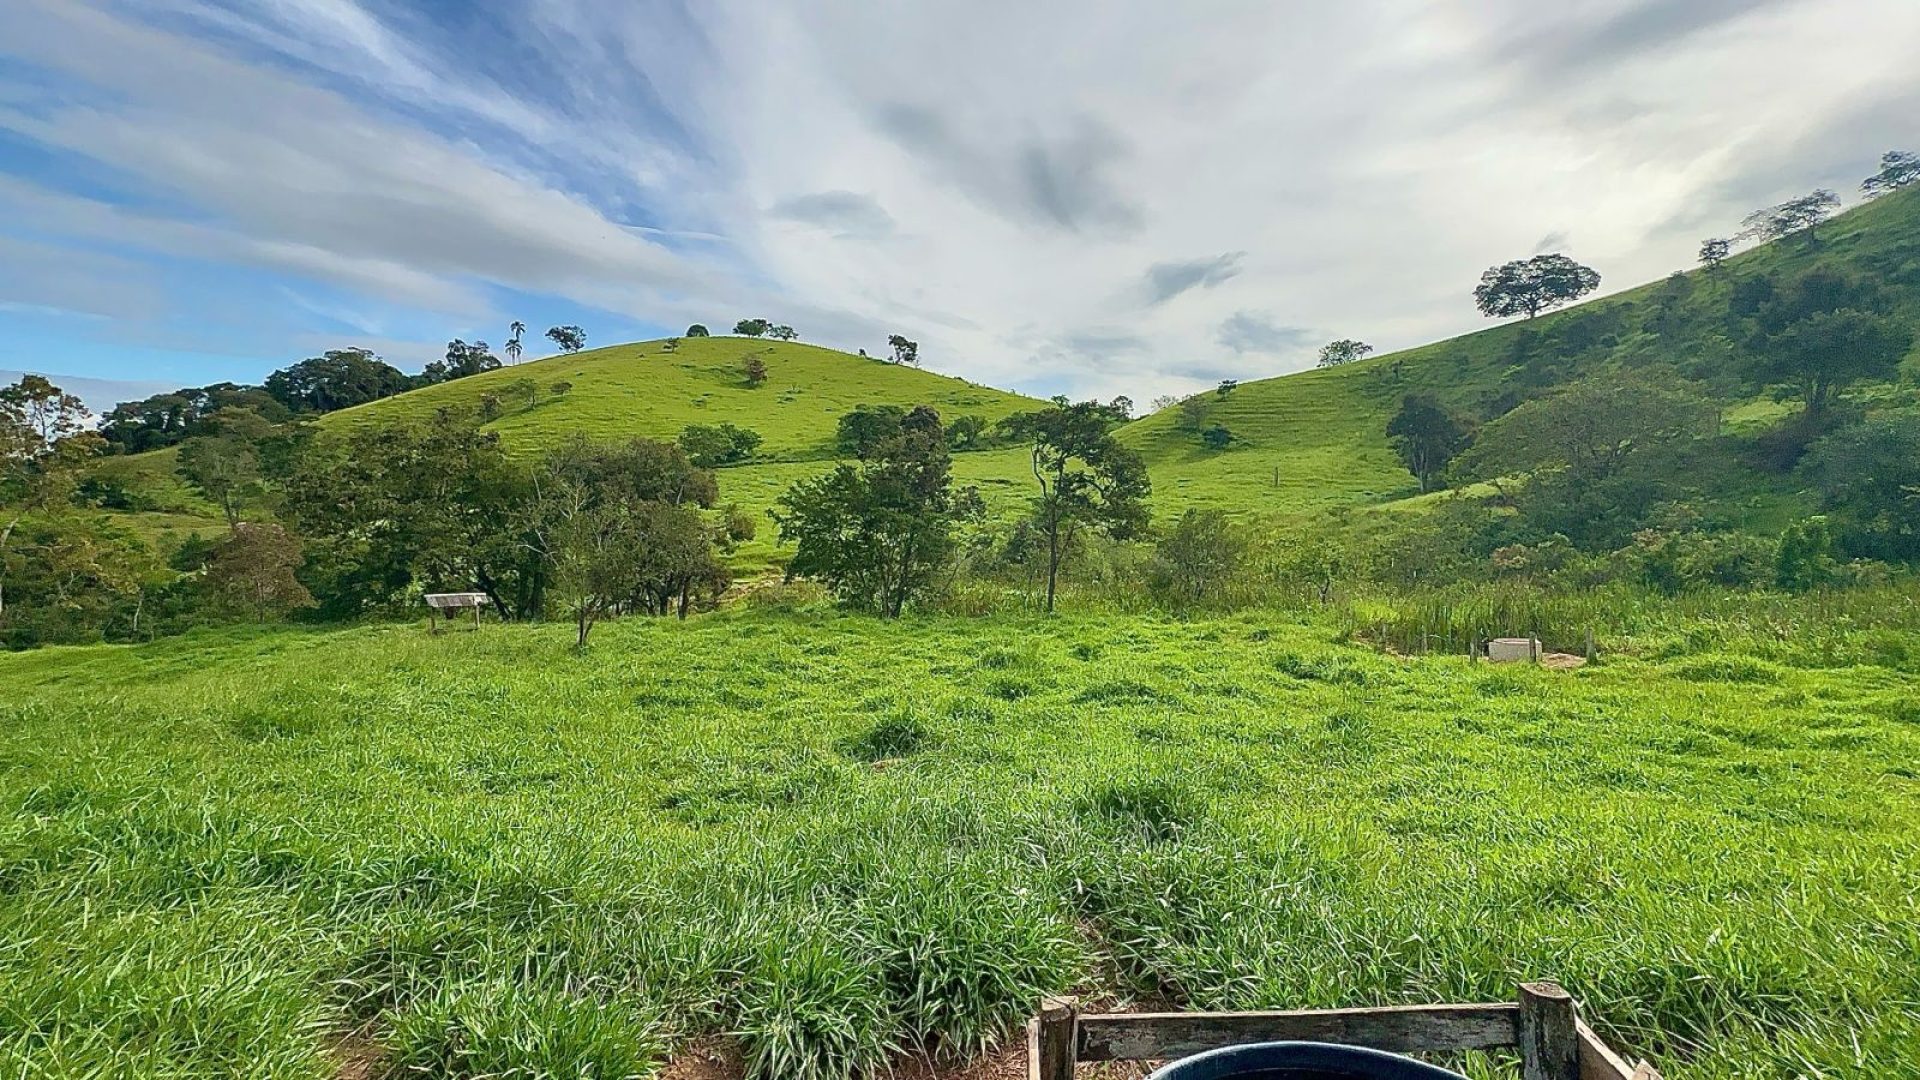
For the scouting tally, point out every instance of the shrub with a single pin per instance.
(713, 445)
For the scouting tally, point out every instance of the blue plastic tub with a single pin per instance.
(1300, 1061)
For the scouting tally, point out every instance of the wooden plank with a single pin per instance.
(1597, 1059)
(1050, 1056)
(1400, 1029)
(1548, 1030)
(1033, 1049)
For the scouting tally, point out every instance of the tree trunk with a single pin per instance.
(1053, 562)
(5, 535)
(586, 627)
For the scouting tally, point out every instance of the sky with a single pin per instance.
(1089, 197)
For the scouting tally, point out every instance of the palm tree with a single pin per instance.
(513, 343)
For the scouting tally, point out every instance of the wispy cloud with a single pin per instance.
(243, 179)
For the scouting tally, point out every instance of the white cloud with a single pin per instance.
(1037, 193)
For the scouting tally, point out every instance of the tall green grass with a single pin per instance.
(831, 840)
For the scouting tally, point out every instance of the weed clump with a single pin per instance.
(896, 736)
(507, 1031)
(1156, 810)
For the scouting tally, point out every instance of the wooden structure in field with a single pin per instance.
(444, 604)
(1543, 1025)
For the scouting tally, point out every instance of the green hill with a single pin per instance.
(648, 389)
(1317, 439)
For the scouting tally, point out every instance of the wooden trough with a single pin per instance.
(446, 603)
(1543, 1024)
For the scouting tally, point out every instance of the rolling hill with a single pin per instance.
(1317, 439)
(1303, 443)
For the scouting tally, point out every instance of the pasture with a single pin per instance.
(830, 841)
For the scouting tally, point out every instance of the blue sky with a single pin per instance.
(1089, 197)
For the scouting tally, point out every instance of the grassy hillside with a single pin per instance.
(260, 853)
(644, 389)
(1323, 433)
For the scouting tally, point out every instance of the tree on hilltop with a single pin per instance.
(1803, 215)
(514, 330)
(571, 339)
(1898, 169)
(1531, 286)
(1343, 351)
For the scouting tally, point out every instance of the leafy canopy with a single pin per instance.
(1531, 286)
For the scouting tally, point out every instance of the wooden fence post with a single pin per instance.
(1051, 1043)
(1549, 1041)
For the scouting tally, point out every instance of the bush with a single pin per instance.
(1199, 558)
(713, 445)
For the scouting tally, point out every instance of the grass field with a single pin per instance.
(262, 853)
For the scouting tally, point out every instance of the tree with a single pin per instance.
(712, 445)
(1868, 477)
(166, 419)
(461, 361)
(514, 330)
(1427, 437)
(859, 432)
(224, 463)
(904, 351)
(1592, 428)
(386, 510)
(1898, 169)
(1802, 215)
(1822, 355)
(1088, 481)
(250, 573)
(754, 370)
(1715, 251)
(44, 445)
(1227, 386)
(1162, 403)
(1530, 286)
(878, 533)
(752, 327)
(1343, 351)
(696, 330)
(338, 379)
(1217, 437)
(571, 339)
(1121, 407)
(965, 431)
(1820, 333)
(1193, 413)
(617, 526)
(783, 333)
